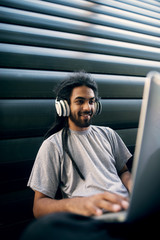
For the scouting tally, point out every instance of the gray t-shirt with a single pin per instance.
(99, 154)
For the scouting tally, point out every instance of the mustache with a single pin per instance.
(86, 112)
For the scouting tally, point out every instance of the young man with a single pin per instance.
(87, 163)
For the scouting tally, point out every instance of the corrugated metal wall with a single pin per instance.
(41, 41)
(70, 35)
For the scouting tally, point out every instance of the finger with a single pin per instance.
(98, 211)
(125, 204)
(94, 210)
(90, 208)
(116, 199)
(108, 206)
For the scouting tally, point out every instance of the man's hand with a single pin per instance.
(87, 206)
(96, 204)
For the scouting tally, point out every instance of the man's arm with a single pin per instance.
(125, 176)
(86, 206)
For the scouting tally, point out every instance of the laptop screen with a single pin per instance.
(145, 197)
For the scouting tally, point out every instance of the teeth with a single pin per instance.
(85, 114)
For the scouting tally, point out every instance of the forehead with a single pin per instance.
(82, 91)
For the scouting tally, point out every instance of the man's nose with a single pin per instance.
(86, 106)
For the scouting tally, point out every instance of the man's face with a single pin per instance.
(82, 106)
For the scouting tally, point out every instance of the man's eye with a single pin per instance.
(79, 102)
(91, 102)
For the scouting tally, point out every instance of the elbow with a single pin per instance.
(35, 211)
(39, 205)
(37, 208)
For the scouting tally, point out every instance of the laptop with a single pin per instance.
(145, 196)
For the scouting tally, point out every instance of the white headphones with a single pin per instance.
(63, 109)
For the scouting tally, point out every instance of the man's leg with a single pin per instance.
(66, 226)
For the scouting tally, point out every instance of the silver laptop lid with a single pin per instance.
(145, 197)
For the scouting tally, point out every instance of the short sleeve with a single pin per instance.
(120, 151)
(45, 173)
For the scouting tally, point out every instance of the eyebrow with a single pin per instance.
(82, 98)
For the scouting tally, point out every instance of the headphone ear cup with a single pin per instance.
(65, 108)
(62, 108)
(98, 108)
(58, 108)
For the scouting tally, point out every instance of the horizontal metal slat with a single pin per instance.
(34, 117)
(17, 83)
(29, 118)
(142, 5)
(110, 11)
(119, 87)
(14, 151)
(128, 8)
(129, 136)
(152, 2)
(119, 114)
(87, 16)
(54, 39)
(13, 56)
(31, 19)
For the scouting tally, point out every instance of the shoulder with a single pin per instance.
(53, 142)
(55, 137)
(103, 130)
(106, 132)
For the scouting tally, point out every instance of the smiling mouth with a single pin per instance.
(86, 114)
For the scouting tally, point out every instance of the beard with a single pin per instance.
(79, 122)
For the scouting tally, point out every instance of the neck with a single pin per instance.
(74, 127)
